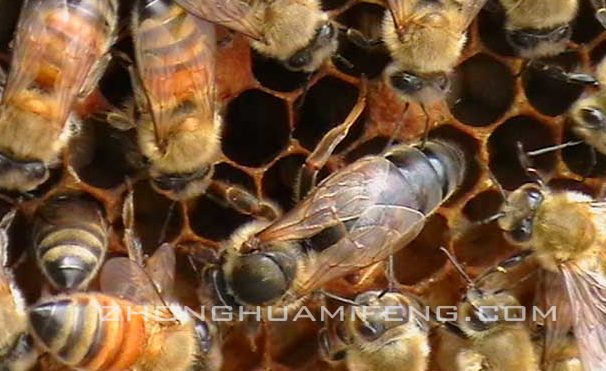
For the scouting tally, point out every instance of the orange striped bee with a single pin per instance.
(70, 241)
(177, 122)
(128, 327)
(16, 348)
(60, 51)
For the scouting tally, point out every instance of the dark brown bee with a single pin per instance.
(70, 241)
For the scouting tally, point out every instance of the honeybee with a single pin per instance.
(358, 216)
(60, 51)
(295, 32)
(70, 240)
(16, 348)
(492, 322)
(383, 336)
(565, 232)
(178, 124)
(129, 326)
(425, 40)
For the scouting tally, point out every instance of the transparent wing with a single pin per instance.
(235, 15)
(586, 289)
(125, 279)
(557, 331)
(469, 11)
(176, 63)
(55, 47)
(359, 208)
(401, 11)
(161, 269)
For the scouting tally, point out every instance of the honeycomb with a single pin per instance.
(274, 118)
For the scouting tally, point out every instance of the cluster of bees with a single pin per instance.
(357, 217)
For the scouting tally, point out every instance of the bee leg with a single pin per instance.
(94, 76)
(329, 351)
(316, 160)
(242, 200)
(427, 126)
(530, 171)
(131, 240)
(396, 130)
(357, 38)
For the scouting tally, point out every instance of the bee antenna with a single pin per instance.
(553, 148)
(458, 266)
(489, 219)
(527, 165)
(338, 298)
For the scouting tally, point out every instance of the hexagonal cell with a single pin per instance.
(115, 85)
(157, 219)
(483, 205)
(367, 19)
(470, 148)
(280, 179)
(548, 94)
(492, 30)
(256, 128)
(482, 90)
(273, 75)
(326, 105)
(333, 4)
(9, 14)
(227, 173)
(214, 221)
(586, 26)
(482, 246)
(373, 146)
(422, 257)
(502, 147)
(106, 156)
(578, 158)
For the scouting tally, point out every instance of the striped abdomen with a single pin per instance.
(175, 53)
(70, 241)
(57, 29)
(429, 174)
(90, 331)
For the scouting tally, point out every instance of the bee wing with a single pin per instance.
(469, 11)
(586, 289)
(400, 10)
(125, 279)
(359, 210)
(175, 57)
(44, 33)
(557, 330)
(235, 15)
(161, 269)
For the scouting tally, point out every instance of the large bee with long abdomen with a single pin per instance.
(128, 327)
(60, 51)
(70, 240)
(17, 352)
(358, 216)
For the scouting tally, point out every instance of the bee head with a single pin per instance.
(322, 47)
(22, 176)
(519, 211)
(260, 277)
(531, 42)
(480, 312)
(590, 119)
(181, 186)
(426, 89)
(378, 312)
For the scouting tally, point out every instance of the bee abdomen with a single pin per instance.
(432, 172)
(89, 331)
(70, 242)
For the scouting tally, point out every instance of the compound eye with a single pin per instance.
(370, 331)
(258, 279)
(593, 118)
(523, 232)
(406, 83)
(483, 318)
(299, 60)
(35, 170)
(534, 198)
(522, 39)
